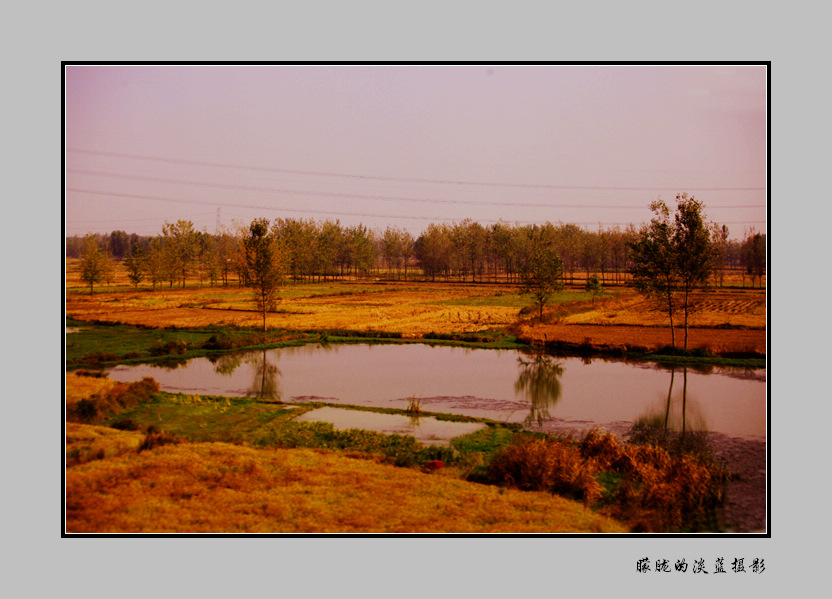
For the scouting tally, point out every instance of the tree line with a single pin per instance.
(313, 251)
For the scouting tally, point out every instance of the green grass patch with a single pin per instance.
(103, 344)
(209, 418)
(262, 424)
(95, 343)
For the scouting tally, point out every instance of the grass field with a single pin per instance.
(219, 487)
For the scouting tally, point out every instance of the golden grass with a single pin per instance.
(83, 387)
(221, 488)
(413, 309)
(720, 321)
(393, 307)
(85, 442)
(709, 309)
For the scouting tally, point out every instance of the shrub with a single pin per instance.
(169, 348)
(125, 424)
(156, 438)
(540, 464)
(96, 358)
(643, 485)
(98, 374)
(659, 490)
(219, 342)
(414, 405)
(121, 396)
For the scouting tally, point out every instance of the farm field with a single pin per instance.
(722, 320)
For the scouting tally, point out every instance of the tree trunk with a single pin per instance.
(684, 398)
(669, 394)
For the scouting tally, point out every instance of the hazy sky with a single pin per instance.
(409, 145)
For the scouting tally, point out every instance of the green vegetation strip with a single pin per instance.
(105, 344)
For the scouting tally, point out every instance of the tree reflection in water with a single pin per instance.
(683, 429)
(226, 364)
(264, 383)
(539, 382)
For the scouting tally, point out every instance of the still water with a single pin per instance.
(504, 385)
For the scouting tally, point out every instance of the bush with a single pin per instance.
(643, 485)
(169, 348)
(658, 490)
(156, 438)
(219, 342)
(125, 424)
(121, 396)
(539, 464)
(96, 358)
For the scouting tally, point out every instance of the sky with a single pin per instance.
(409, 145)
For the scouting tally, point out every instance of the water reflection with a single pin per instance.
(264, 384)
(539, 382)
(674, 417)
(226, 364)
(494, 384)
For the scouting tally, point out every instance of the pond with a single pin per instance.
(506, 385)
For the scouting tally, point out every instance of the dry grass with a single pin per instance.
(654, 491)
(407, 308)
(91, 401)
(221, 488)
(721, 322)
(117, 482)
(85, 443)
(738, 308)
(80, 387)
(413, 309)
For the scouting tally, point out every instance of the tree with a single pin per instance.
(673, 257)
(136, 263)
(754, 255)
(653, 259)
(362, 249)
(119, 244)
(93, 262)
(263, 268)
(181, 242)
(433, 250)
(541, 269)
(694, 250)
(593, 286)
(719, 242)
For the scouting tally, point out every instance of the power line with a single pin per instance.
(401, 179)
(322, 212)
(362, 196)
